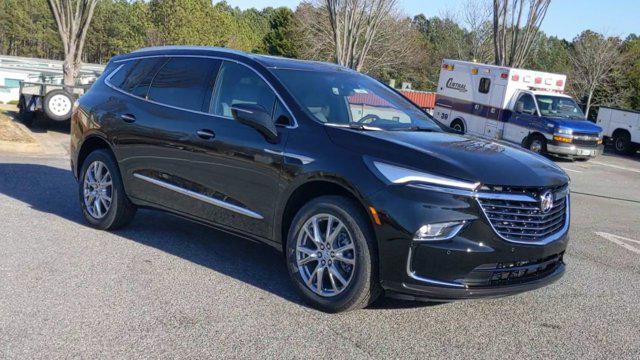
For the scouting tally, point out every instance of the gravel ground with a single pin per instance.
(165, 287)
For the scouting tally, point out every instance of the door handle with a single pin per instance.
(205, 134)
(128, 118)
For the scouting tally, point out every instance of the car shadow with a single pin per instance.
(53, 190)
(41, 124)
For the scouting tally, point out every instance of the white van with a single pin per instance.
(521, 106)
(622, 127)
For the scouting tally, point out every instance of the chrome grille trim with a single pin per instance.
(524, 224)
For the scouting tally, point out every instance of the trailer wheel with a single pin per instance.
(622, 142)
(57, 104)
(24, 114)
(458, 125)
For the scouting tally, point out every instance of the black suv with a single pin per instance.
(363, 191)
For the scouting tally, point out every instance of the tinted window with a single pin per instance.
(528, 104)
(135, 76)
(184, 82)
(485, 85)
(238, 84)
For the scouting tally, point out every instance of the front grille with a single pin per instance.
(523, 220)
(585, 140)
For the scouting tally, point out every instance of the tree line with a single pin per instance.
(379, 39)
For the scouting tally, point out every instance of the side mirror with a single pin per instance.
(519, 107)
(256, 117)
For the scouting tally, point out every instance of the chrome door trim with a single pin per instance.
(201, 197)
(303, 159)
(107, 82)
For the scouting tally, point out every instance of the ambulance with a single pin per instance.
(524, 107)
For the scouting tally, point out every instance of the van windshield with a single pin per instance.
(559, 106)
(354, 100)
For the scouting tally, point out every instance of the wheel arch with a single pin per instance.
(308, 190)
(461, 119)
(532, 135)
(620, 131)
(90, 144)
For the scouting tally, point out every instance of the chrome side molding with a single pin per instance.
(201, 197)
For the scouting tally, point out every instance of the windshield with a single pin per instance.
(355, 100)
(558, 106)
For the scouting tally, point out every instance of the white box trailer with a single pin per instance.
(621, 127)
(522, 106)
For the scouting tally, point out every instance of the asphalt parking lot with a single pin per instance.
(165, 287)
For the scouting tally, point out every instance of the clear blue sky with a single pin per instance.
(565, 19)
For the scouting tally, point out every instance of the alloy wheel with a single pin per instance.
(97, 190)
(536, 146)
(325, 255)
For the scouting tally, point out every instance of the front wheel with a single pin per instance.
(103, 201)
(538, 145)
(331, 255)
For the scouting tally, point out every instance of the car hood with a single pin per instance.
(580, 126)
(456, 156)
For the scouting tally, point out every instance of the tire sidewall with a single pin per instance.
(117, 192)
(621, 143)
(360, 284)
(47, 110)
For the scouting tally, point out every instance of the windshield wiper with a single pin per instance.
(355, 126)
(413, 128)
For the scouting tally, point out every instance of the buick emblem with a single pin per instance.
(546, 201)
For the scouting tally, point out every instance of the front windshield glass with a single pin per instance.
(559, 106)
(349, 99)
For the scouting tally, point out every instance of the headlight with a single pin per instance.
(400, 175)
(564, 131)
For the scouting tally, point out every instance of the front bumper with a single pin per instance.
(570, 150)
(477, 263)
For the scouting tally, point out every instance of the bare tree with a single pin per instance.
(72, 18)
(515, 27)
(355, 26)
(594, 58)
(475, 17)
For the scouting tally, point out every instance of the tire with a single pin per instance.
(458, 125)
(622, 143)
(58, 104)
(537, 144)
(362, 285)
(120, 211)
(26, 117)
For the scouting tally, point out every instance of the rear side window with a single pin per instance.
(238, 84)
(135, 76)
(485, 85)
(184, 83)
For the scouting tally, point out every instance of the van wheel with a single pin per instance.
(458, 125)
(331, 255)
(537, 144)
(103, 201)
(622, 142)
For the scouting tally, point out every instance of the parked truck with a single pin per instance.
(621, 127)
(521, 106)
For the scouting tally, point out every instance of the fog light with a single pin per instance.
(439, 231)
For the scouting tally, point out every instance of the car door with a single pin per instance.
(522, 118)
(155, 148)
(238, 164)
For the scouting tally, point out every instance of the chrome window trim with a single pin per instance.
(412, 274)
(201, 197)
(108, 83)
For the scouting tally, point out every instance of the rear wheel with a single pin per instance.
(103, 201)
(458, 125)
(331, 255)
(622, 142)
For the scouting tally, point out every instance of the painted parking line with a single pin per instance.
(621, 241)
(617, 167)
(571, 170)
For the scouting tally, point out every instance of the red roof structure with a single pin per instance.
(424, 99)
